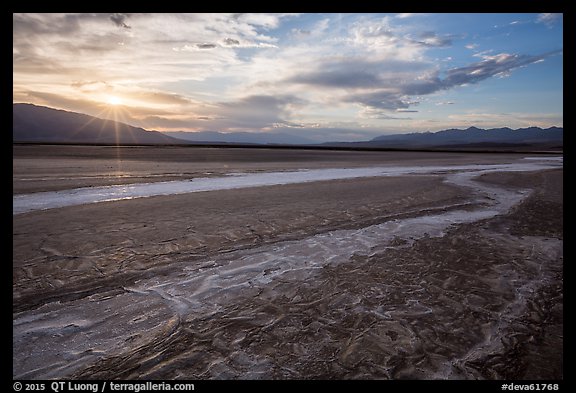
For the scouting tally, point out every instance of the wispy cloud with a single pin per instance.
(255, 71)
(495, 65)
(350, 72)
(431, 39)
(549, 19)
(393, 94)
(120, 20)
(407, 15)
(254, 111)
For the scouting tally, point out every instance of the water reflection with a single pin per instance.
(24, 203)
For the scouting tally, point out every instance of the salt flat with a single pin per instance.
(437, 273)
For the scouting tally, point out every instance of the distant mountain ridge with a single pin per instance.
(473, 136)
(239, 137)
(33, 123)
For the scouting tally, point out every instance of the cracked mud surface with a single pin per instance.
(318, 280)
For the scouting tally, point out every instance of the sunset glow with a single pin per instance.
(325, 77)
(113, 100)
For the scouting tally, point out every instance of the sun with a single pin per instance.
(114, 100)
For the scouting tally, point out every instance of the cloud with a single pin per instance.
(227, 43)
(549, 19)
(120, 20)
(255, 45)
(134, 47)
(396, 96)
(300, 33)
(195, 47)
(499, 64)
(91, 86)
(165, 123)
(159, 97)
(373, 113)
(248, 71)
(56, 101)
(231, 42)
(386, 37)
(357, 72)
(374, 34)
(268, 21)
(338, 78)
(390, 82)
(404, 15)
(381, 99)
(424, 85)
(206, 46)
(251, 112)
(430, 39)
(30, 25)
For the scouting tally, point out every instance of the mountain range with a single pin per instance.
(32, 123)
(474, 136)
(240, 137)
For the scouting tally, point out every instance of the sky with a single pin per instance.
(323, 77)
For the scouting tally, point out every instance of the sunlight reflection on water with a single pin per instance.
(24, 203)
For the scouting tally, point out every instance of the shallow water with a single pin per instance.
(24, 203)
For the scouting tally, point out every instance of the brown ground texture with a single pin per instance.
(484, 301)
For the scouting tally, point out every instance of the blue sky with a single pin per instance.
(325, 77)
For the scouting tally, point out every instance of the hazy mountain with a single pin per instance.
(239, 137)
(473, 136)
(32, 123)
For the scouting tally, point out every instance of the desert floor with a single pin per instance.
(346, 279)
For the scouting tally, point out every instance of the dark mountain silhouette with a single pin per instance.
(473, 136)
(32, 123)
